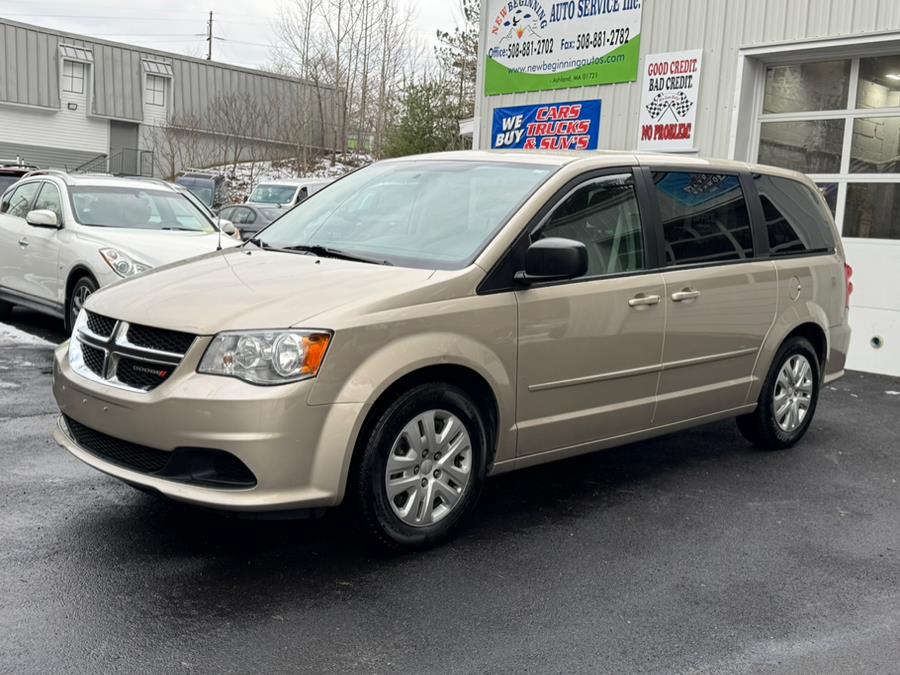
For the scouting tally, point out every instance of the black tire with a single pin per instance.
(373, 513)
(83, 285)
(761, 427)
(5, 310)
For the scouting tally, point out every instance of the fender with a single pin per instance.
(788, 319)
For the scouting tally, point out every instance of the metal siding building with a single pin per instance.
(45, 124)
(750, 49)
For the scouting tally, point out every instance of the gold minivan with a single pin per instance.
(428, 321)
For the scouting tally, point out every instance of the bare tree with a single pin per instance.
(355, 50)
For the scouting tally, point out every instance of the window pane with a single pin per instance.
(49, 199)
(879, 82)
(604, 216)
(876, 143)
(872, 210)
(20, 204)
(808, 86)
(796, 219)
(704, 217)
(808, 147)
(829, 192)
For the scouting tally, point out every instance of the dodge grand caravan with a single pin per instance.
(499, 311)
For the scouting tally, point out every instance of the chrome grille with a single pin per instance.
(94, 359)
(100, 325)
(129, 356)
(171, 341)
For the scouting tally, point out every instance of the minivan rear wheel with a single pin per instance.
(422, 468)
(788, 399)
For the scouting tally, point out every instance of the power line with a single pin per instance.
(165, 16)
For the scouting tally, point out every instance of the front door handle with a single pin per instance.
(686, 294)
(23, 242)
(643, 300)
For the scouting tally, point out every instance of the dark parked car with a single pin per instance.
(11, 170)
(250, 218)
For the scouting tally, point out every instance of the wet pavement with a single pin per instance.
(690, 553)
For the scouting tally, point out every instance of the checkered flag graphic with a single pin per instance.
(678, 103)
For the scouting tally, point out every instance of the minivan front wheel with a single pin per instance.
(422, 469)
(788, 398)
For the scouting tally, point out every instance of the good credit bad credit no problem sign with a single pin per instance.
(669, 101)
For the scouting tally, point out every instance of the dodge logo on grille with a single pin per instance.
(162, 374)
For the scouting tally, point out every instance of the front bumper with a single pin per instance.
(299, 453)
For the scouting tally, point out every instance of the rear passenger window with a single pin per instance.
(602, 214)
(796, 219)
(704, 217)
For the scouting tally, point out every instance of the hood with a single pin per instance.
(157, 247)
(247, 289)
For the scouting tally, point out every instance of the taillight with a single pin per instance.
(848, 275)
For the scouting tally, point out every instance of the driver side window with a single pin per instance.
(602, 214)
(49, 199)
(22, 197)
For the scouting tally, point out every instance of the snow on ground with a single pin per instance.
(10, 335)
(247, 175)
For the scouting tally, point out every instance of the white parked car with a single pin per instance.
(287, 192)
(64, 236)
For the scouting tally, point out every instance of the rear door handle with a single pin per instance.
(23, 242)
(686, 294)
(643, 300)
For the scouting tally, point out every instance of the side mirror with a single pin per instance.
(553, 259)
(42, 218)
(226, 226)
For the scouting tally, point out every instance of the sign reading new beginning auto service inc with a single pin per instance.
(550, 126)
(537, 45)
(669, 101)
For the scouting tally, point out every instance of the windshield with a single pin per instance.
(430, 214)
(273, 194)
(123, 207)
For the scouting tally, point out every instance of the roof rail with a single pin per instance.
(47, 172)
(151, 179)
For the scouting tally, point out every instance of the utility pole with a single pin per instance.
(209, 37)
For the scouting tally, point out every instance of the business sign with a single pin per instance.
(669, 101)
(538, 45)
(550, 126)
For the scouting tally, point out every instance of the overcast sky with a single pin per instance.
(180, 25)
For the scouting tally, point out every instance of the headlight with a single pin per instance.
(266, 357)
(121, 263)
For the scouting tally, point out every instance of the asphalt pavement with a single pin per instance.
(692, 553)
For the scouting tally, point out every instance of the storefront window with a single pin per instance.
(873, 210)
(807, 87)
(812, 146)
(876, 144)
(879, 82)
(808, 123)
(830, 192)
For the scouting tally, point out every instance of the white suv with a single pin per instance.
(64, 236)
(287, 192)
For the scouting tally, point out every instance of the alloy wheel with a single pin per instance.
(793, 393)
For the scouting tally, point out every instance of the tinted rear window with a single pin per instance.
(797, 221)
(704, 217)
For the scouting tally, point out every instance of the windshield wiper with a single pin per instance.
(327, 252)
